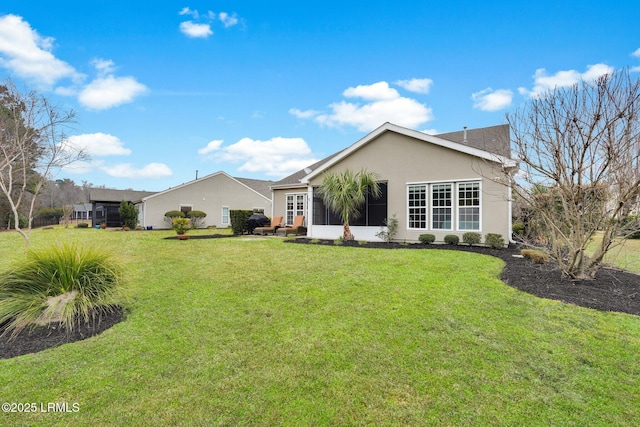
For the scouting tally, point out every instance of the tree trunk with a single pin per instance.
(346, 234)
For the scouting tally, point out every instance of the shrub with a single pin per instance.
(239, 221)
(392, 228)
(66, 285)
(518, 228)
(170, 215)
(536, 256)
(181, 225)
(471, 238)
(494, 240)
(82, 225)
(451, 239)
(129, 214)
(427, 238)
(197, 218)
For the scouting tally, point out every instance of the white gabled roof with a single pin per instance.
(144, 199)
(482, 154)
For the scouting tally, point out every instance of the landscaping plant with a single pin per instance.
(62, 285)
(471, 238)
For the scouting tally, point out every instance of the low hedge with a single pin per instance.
(471, 238)
(427, 238)
(451, 239)
(494, 240)
(240, 221)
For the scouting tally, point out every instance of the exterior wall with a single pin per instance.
(400, 160)
(280, 203)
(208, 194)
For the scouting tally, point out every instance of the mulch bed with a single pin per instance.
(611, 290)
(38, 339)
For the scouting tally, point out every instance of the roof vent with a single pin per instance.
(307, 171)
(465, 134)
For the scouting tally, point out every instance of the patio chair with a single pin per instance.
(276, 222)
(296, 228)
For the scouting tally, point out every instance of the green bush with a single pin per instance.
(518, 228)
(82, 225)
(49, 213)
(174, 214)
(181, 225)
(471, 238)
(64, 285)
(239, 221)
(197, 218)
(427, 238)
(494, 240)
(451, 239)
(129, 214)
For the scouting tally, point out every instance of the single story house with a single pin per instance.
(445, 184)
(106, 203)
(82, 211)
(215, 194)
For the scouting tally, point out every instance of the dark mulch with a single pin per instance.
(201, 236)
(611, 290)
(32, 341)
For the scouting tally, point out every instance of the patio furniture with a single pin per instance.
(297, 227)
(276, 222)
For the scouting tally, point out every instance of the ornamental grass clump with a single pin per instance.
(64, 285)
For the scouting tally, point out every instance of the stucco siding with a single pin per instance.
(209, 194)
(401, 160)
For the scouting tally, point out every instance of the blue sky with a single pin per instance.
(262, 89)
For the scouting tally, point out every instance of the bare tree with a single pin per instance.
(32, 146)
(579, 153)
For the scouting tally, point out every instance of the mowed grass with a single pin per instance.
(244, 331)
(625, 256)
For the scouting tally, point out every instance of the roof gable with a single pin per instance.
(257, 186)
(436, 140)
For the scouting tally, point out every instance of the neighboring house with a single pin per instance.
(214, 194)
(82, 211)
(445, 184)
(106, 203)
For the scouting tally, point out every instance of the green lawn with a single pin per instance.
(256, 331)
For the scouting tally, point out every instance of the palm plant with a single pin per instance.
(64, 285)
(345, 193)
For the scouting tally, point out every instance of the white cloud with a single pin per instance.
(416, 85)
(636, 53)
(28, 55)
(376, 92)
(544, 82)
(98, 144)
(276, 157)
(492, 100)
(386, 105)
(211, 147)
(188, 11)
(228, 20)
(307, 114)
(126, 170)
(193, 30)
(110, 91)
(103, 66)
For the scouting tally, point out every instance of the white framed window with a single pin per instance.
(296, 206)
(417, 207)
(225, 216)
(469, 206)
(441, 207)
